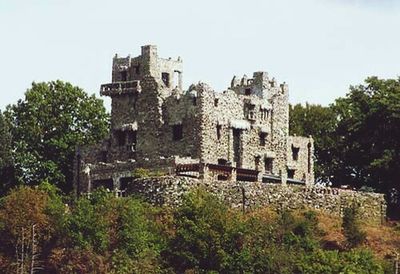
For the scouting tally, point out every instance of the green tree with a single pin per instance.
(369, 137)
(47, 126)
(208, 237)
(6, 158)
(320, 122)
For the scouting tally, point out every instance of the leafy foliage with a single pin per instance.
(48, 125)
(105, 234)
(357, 139)
(351, 227)
(6, 157)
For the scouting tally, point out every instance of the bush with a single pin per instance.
(351, 227)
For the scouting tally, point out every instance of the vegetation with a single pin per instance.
(357, 138)
(357, 142)
(105, 234)
(46, 128)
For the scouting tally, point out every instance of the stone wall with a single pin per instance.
(300, 157)
(169, 190)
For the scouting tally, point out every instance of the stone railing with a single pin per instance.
(119, 88)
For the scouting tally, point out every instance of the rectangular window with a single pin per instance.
(268, 165)
(216, 102)
(121, 138)
(124, 75)
(263, 138)
(290, 173)
(247, 91)
(177, 133)
(295, 153)
(218, 132)
(136, 69)
(165, 78)
(132, 140)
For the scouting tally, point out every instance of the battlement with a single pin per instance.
(166, 71)
(259, 85)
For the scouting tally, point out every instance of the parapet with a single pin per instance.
(256, 85)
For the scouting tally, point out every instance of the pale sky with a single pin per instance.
(318, 47)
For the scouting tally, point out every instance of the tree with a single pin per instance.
(320, 122)
(26, 226)
(369, 137)
(47, 126)
(6, 157)
(351, 227)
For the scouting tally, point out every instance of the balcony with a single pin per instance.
(118, 88)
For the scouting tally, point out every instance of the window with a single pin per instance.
(263, 138)
(104, 156)
(268, 165)
(194, 100)
(264, 114)
(132, 140)
(257, 162)
(136, 69)
(120, 137)
(165, 78)
(290, 173)
(250, 111)
(295, 153)
(124, 75)
(247, 91)
(223, 162)
(106, 183)
(216, 102)
(218, 132)
(177, 132)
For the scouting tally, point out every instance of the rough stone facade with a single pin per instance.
(240, 133)
(169, 190)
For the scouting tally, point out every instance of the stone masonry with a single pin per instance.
(241, 133)
(169, 190)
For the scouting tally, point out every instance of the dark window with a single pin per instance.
(177, 132)
(250, 111)
(136, 69)
(124, 75)
(165, 78)
(120, 136)
(194, 101)
(247, 91)
(104, 156)
(295, 153)
(106, 183)
(132, 140)
(290, 173)
(218, 132)
(236, 147)
(124, 182)
(257, 162)
(216, 102)
(222, 177)
(268, 165)
(263, 138)
(223, 162)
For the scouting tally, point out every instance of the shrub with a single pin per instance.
(351, 227)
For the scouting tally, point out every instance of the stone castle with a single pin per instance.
(235, 144)
(241, 134)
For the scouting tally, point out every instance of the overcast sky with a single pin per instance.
(318, 47)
